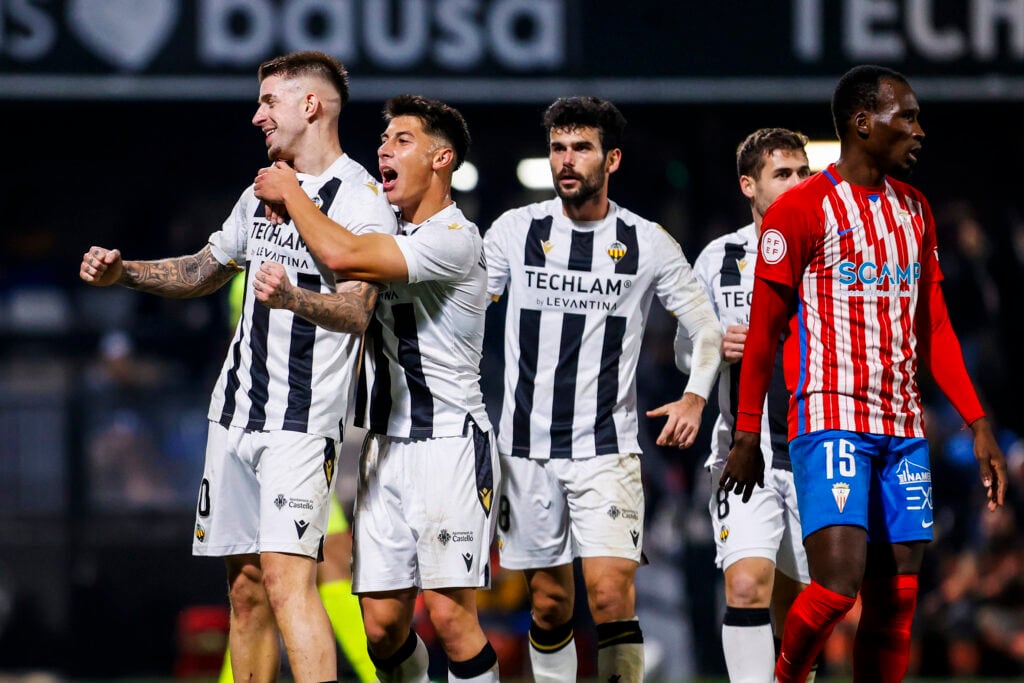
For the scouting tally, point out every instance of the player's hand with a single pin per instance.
(101, 267)
(683, 420)
(991, 462)
(745, 466)
(271, 185)
(732, 342)
(272, 286)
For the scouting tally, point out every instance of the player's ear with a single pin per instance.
(747, 186)
(862, 123)
(612, 160)
(311, 104)
(443, 156)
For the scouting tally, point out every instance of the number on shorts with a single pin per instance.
(204, 498)
(723, 503)
(847, 463)
(504, 516)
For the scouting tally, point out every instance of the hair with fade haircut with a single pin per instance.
(588, 112)
(857, 90)
(439, 120)
(309, 63)
(752, 154)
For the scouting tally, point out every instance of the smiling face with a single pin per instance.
(406, 160)
(894, 132)
(281, 116)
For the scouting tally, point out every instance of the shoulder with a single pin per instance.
(521, 217)
(744, 237)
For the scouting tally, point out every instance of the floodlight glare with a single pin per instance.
(466, 178)
(535, 173)
(821, 153)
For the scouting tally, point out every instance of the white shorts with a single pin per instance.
(767, 525)
(553, 510)
(264, 492)
(423, 512)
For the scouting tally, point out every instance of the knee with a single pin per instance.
(384, 632)
(746, 589)
(246, 592)
(552, 606)
(611, 597)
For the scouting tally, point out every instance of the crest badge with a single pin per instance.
(616, 250)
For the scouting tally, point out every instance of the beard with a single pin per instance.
(589, 187)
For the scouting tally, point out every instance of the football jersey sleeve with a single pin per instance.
(362, 210)
(495, 243)
(228, 244)
(788, 233)
(930, 270)
(437, 252)
(683, 343)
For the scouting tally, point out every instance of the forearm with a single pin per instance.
(177, 278)
(704, 333)
(346, 311)
(768, 315)
(320, 233)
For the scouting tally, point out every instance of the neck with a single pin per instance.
(315, 158)
(593, 209)
(857, 168)
(433, 201)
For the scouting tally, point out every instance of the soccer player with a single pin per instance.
(759, 545)
(429, 470)
(581, 272)
(276, 410)
(848, 261)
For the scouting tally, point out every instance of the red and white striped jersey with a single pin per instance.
(857, 257)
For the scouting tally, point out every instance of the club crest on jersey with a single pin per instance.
(723, 535)
(840, 491)
(318, 201)
(773, 246)
(200, 533)
(547, 246)
(616, 250)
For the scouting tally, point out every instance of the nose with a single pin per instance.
(258, 117)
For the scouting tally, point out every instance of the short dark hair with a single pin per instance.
(438, 119)
(857, 90)
(588, 112)
(752, 153)
(309, 63)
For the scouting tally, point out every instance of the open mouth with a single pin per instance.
(389, 177)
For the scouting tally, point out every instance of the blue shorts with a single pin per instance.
(881, 483)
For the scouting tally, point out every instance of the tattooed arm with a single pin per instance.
(347, 310)
(175, 278)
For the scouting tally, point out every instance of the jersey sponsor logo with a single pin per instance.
(547, 246)
(615, 512)
(773, 246)
(616, 250)
(468, 559)
(847, 231)
(485, 494)
(840, 492)
(928, 524)
(372, 186)
(576, 284)
(910, 473)
(443, 537)
(454, 226)
(870, 273)
(635, 535)
(280, 501)
(300, 527)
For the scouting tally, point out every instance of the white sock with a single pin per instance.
(620, 652)
(748, 645)
(410, 668)
(553, 653)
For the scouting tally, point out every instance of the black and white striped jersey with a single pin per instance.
(427, 336)
(579, 295)
(725, 269)
(282, 372)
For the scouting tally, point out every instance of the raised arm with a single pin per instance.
(349, 309)
(177, 278)
(373, 256)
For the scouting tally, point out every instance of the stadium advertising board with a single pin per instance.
(512, 50)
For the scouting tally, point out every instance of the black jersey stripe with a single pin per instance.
(629, 264)
(563, 394)
(536, 237)
(380, 393)
(421, 400)
(227, 412)
(362, 391)
(327, 193)
(581, 251)
(259, 392)
(484, 467)
(300, 363)
(529, 346)
(605, 436)
(731, 257)
(778, 409)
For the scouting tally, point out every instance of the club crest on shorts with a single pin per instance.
(840, 491)
(280, 501)
(200, 533)
(616, 250)
(723, 535)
